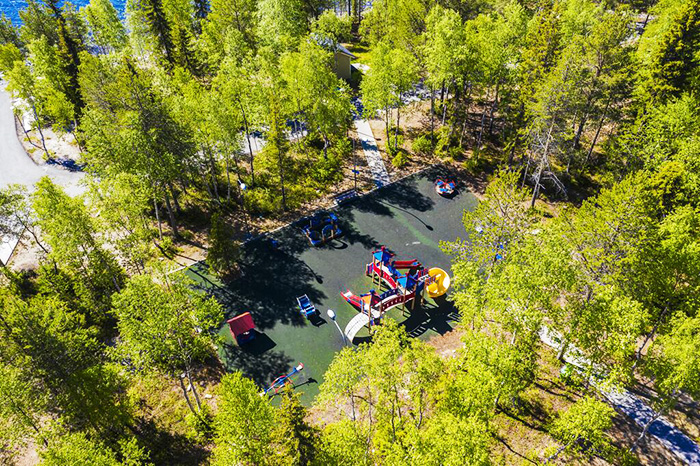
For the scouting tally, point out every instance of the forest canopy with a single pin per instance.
(205, 121)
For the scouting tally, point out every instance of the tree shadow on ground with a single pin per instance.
(168, 448)
(438, 318)
(269, 283)
(403, 194)
(516, 453)
(260, 366)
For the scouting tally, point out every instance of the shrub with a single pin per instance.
(262, 200)
(400, 159)
(571, 376)
(443, 142)
(422, 146)
(327, 171)
(201, 424)
(394, 144)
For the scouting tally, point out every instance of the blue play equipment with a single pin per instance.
(445, 187)
(306, 307)
(322, 227)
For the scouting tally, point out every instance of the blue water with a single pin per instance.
(10, 8)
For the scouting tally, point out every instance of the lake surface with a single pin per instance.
(11, 8)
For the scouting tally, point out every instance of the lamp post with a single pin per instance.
(245, 211)
(354, 163)
(332, 315)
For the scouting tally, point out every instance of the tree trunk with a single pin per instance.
(26, 134)
(160, 224)
(281, 167)
(171, 214)
(178, 209)
(597, 133)
(651, 334)
(398, 123)
(493, 108)
(432, 117)
(326, 143)
(386, 124)
(444, 105)
(187, 398)
(481, 127)
(228, 180)
(41, 133)
(644, 432)
(562, 350)
(194, 389)
(250, 146)
(543, 160)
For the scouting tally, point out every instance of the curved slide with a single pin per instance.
(361, 319)
(439, 284)
(355, 325)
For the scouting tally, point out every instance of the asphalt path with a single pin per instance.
(16, 167)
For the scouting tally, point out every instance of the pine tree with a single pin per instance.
(298, 442)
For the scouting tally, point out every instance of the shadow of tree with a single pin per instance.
(438, 318)
(262, 367)
(268, 286)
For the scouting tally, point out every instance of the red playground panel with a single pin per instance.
(242, 327)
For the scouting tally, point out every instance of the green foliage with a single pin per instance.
(674, 359)
(9, 54)
(164, 327)
(76, 448)
(400, 159)
(668, 59)
(392, 72)
(582, 427)
(422, 146)
(297, 441)
(201, 424)
(571, 376)
(70, 232)
(105, 26)
(59, 362)
(243, 425)
(330, 25)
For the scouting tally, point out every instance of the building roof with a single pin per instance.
(327, 43)
(341, 49)
(241, 324)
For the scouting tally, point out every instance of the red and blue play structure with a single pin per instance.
(321, 228)
(445, 187)
(406, 281)
(242, 328)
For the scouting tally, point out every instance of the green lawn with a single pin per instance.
(362, 52)
(407, 217)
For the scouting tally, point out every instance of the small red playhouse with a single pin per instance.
(242, 328)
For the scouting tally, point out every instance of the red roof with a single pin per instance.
(241, 324)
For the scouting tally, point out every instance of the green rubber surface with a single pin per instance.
(407, 217)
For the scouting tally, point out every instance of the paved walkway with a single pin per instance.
(374, 158)
(682, 446)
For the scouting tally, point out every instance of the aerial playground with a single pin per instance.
(407, 282)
